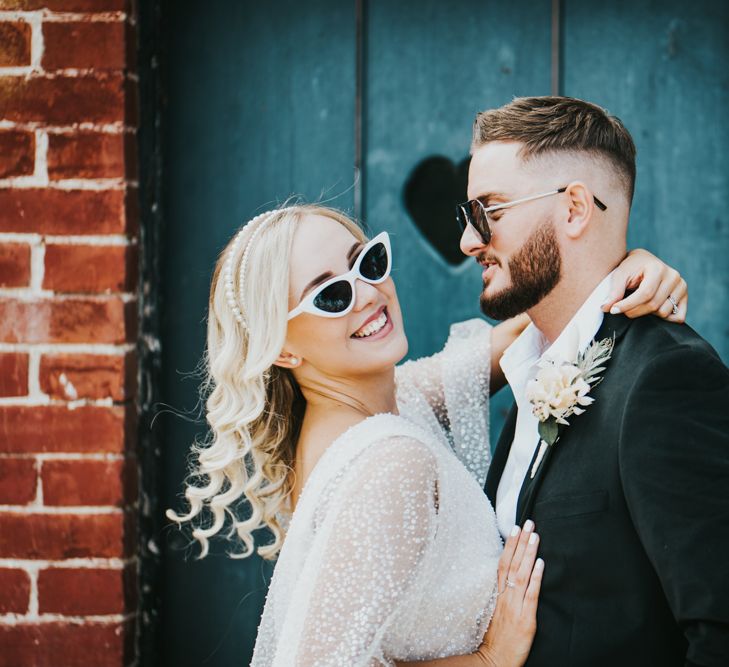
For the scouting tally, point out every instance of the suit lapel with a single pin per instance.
(612, 325)
(501, 454)
(530, 486)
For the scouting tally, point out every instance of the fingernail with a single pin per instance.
(614, 310)
(539, 565)
(533, 538)
(528, 525)
(515, 531)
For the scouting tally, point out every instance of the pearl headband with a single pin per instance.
(230, 291)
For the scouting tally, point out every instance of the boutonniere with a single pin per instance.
(561, 389)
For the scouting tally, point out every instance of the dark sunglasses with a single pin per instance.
(335, 297)
(474, 213)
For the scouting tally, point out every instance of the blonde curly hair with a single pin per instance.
(254, 408)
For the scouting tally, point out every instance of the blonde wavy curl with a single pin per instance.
(254, 409)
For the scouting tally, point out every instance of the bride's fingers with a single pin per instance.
(526, 566)
(659, 298)
(680, 296)
(507, 555)
(680, 316)
(645, 292)
(531, 599)
(521, 547)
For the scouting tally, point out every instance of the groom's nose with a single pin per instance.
(471, 242)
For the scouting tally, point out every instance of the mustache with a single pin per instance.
(485, 258)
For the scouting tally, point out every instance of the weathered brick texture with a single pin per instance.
(13, 374)
(50, 211)
(18, 480)
(14, 264)
(17, 153)
(89, 268)
(87, 591)
(68, 329)
(14, 591)
(70, 376)
(14, 43)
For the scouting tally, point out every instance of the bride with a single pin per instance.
(369, 477)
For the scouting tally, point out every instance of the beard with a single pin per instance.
(535, 270)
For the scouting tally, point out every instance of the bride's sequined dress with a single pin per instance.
(392, 551)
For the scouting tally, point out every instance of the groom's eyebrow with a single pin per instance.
(328, 274)
(485, 198)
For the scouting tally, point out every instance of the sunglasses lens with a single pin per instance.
(461, 217)
(472, 212)
(335, 298)
(374, 263)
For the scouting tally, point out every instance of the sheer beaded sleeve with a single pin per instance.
(366, 554)
(453, 385)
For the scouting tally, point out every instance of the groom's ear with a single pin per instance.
(581, 206)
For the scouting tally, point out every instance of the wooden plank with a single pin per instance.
(431, 66)
(260, 104)
(662, 68)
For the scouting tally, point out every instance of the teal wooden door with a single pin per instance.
(265, 100)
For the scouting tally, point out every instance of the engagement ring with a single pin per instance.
(674, 304)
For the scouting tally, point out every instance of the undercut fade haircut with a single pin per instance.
(549, 125)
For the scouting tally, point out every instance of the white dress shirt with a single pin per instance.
(519, 364)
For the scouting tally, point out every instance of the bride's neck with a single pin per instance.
(365, 394)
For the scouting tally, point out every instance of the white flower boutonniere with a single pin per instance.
(561, 390)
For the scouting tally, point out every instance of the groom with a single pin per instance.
(632, 500)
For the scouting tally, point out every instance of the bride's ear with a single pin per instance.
(286, 360)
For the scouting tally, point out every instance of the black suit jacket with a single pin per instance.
(632, 508)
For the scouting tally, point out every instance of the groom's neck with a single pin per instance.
(553, 313)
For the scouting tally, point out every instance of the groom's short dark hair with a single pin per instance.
(553, 124)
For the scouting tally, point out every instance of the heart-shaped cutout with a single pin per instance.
(430, 194)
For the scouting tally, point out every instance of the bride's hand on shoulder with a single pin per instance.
(514, 624)
(654, 282)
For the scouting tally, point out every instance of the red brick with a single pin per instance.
(13, 374)
(66, 5)
(56, 536)
(14, 265)
(18, 481)
(95, 483)
(90, 375)
(14, 591)
(86, 155)
(97, 45)
(26, 429)
(72, 320)
(49, 211)
(15, 39)
(17, 153)
(67, 644)
(90, 268)
(82, 591)
(63, 100)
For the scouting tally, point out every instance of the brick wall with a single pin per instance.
(68, 325)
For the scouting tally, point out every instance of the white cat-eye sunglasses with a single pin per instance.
(335, 297)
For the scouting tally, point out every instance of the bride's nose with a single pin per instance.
(365, 295)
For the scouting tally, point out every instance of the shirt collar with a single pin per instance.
(582, 328)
